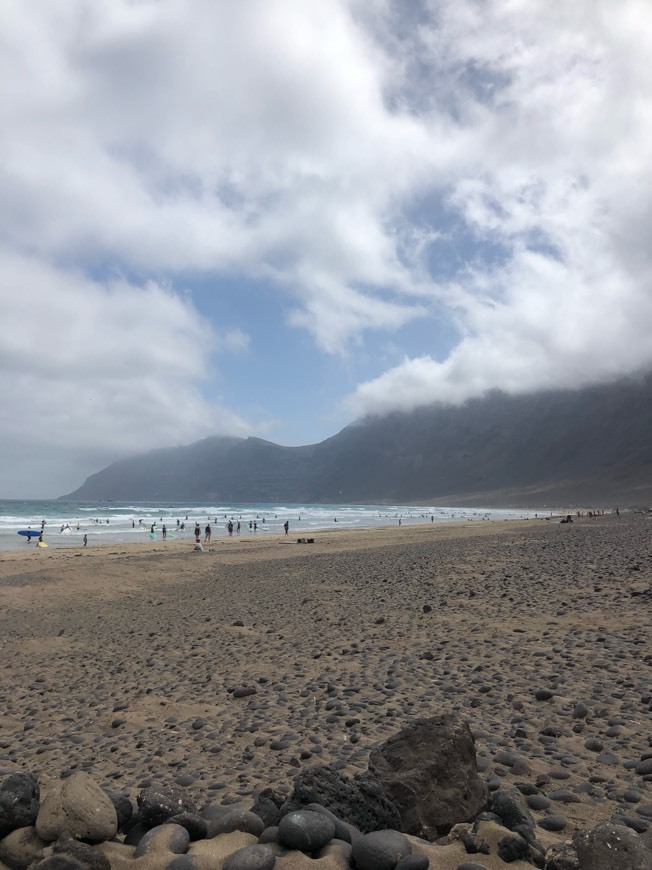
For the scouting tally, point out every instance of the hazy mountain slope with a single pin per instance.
(538, 449)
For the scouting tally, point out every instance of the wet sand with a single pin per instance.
(126, 662)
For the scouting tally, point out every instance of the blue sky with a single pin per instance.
(274, 217)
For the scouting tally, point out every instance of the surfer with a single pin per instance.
(286, 526)
(164, 531)
(29, 534)
(207, 533)
(85, 540)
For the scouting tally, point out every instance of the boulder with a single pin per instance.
(428, 771)
(159, 803)
(360, 802)
(79, 807)
(611, 847)
(19, 800)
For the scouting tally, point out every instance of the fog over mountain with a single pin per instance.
(592, 446)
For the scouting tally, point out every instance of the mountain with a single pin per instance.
(589, 446)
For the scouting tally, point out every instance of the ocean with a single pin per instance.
(127, 522)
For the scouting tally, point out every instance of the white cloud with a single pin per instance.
(92, 372)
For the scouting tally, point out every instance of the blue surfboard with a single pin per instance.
(30, 534)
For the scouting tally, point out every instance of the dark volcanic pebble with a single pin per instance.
(380, 850)
(413, 862)
(305, 830)
(256, 857)
(158, 804)
(553, 823)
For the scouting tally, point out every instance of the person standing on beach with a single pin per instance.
(197, 531)
(207, 533)
(85, 540)
(164, 531)
(286, 526)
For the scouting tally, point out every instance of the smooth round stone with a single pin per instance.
(256, 857)
(552, 823)
(239, 820)
(544, 695)
(380, 850)
(632, 796)
(593, 745)
(538, 801)
(162, 839)
(644, 767)
(413, 862)
(305, 830)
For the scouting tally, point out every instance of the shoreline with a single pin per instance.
(74, 542)
(115, 656)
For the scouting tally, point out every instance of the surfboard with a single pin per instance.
(41, 544)
(29, 534)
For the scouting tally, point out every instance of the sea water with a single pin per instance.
(66, 523)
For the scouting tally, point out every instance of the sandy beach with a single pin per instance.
(125, 661)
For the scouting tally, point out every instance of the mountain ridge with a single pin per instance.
(564, 446)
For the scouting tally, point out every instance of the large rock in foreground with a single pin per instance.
(77, 806)
(428, 771)
(359, 802)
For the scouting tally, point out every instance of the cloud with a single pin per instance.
(379, 163)
(555, 196)
(94, 371)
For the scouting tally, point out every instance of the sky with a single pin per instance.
(271, 217)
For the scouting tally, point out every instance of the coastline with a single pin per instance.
(113, 655)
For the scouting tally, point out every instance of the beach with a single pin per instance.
(231, 670)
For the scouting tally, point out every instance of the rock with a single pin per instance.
(158, 803)
(512, 809)
(78, 806)
(192, 822)
(305, 830)
(413, 862)
(239, 820)
(611, 847)
(342, 830)
(163, 839)
(257, 857)
(553, 823)
(428, 770)
(123, 807)
(19, 801)
(380, 850)
(268, 806)
(73, 853)
(562, 856)
(19, 848)
(360, 802)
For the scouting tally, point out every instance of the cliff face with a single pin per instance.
(549, 448)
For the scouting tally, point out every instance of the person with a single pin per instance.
(238, 527)
(164, 531)
(151, 531)
(230, 528)
(40, 537)
(198, 546)
(85, 540)
(207, 533)
(197, 531)
(286, 526)
(29, 534)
